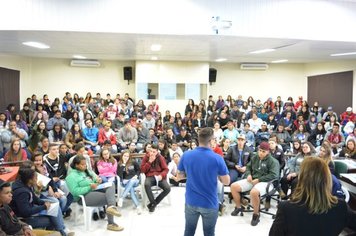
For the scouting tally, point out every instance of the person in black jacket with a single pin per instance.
(28, 206)
(129, 172)
(237, 158)
(9, 223)
(313, 210)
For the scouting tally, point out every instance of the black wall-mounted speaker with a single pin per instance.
(212, 75)
(127, 73)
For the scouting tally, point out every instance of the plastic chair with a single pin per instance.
(155, 190)
(340, 168)
(121, 189)
(87, 212)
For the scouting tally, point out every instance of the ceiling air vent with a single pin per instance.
(253, 66)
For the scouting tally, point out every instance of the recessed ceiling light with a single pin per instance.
(342, 54)
(154, 58)
(263, 51)
(220, 59)
(279, 61)
(156, 47)
(79, 57)
(36, 45)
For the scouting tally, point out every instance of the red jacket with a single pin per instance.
(102, 137)
(157, 167)
(346, 117)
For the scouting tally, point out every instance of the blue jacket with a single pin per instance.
(24, 202)
(91, 134)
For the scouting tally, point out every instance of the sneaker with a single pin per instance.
(255, 219)
(68, 232)
(119, 203)
(267, 205)
(95, 216)
(236, 211)
(102, 214)
(114, 227)
(151, 207)
(111, 210)
(282, 195)
(138, 210)
(67, 213)
(222, 209)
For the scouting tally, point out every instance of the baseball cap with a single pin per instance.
(111, 104)
(83, 105)
(183, 128)
(330, 108)
(242, 136)
(264, 146)
(264, 123)
(139, 121)
(349, 109)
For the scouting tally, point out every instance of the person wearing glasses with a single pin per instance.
(290, 180)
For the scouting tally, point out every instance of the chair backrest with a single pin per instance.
(340, 168)
(347, 194)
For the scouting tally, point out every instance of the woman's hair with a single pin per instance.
(129, 161)
(328, 157)
(12, 156)
(59, 135)
(111, 158)
(76, 161)
(36, 154)
(312, 148)
(26, 174)
(347, 150)
(314, 186)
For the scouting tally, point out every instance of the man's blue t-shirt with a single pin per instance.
(202, 167)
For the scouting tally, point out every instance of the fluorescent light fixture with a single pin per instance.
(263, 51)
(36, 45)
(154, 58)
(79, 57)
(342, 54)
(220, 59)
(156, 47)
(279, 61)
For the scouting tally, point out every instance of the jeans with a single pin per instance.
(130, 187)
(50, 222)
(151, 181)
(209, 217)
(108, 179)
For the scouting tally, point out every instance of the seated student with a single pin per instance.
(291, 180)
(44, 147)
(57, 134)
(73, 136)
(90, 135)
(9, 223)
(336, 138)
(174, 148)
(15, 153)
(82, 181)
(126, 135)
(311, 212)
(155, 168)
(237, 158)
(28, 206)
(284, 138)
(107, 166)
(173, 171)
(129, 172)
(350, 150)
(51, 191)
(106, 133)
(261, 169)
(80, 150)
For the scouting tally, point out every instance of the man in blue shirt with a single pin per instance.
(203, 168)
(91, 135)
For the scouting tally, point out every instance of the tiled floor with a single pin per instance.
(169, 220)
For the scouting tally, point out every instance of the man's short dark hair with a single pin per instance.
(336, 124)
(205, 135)
(78, 147)
(52, 145)
(26, 174)
(154, 146)
(4, 184)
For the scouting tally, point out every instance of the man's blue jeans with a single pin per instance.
(209, 217)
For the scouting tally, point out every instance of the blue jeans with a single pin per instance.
(130, 187)
(49, 222)
(209, 217)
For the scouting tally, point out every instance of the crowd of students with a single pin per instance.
(62, 138)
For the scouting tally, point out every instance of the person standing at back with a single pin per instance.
(203, 168)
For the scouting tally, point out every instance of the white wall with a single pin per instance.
(279, 80)
(55, 77)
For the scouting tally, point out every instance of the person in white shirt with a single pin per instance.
(255, 123)
(173, 171)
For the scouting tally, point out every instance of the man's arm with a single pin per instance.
(224, 179)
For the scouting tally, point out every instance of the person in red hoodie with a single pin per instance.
(155, 168)
(106, 133)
